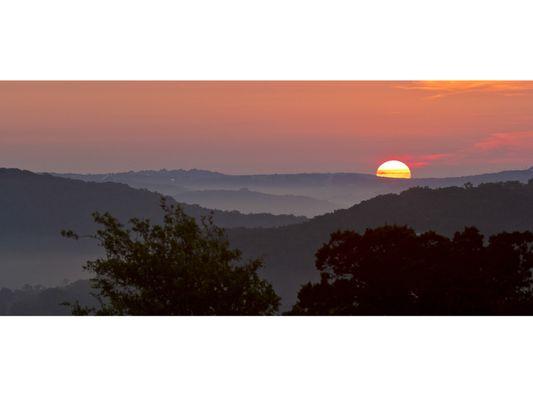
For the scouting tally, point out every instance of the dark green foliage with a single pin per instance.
(289, 251)
(179, 267)
(393, 271)
(35, 207)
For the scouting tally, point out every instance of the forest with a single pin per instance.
(414, 264)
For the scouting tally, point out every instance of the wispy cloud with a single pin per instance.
(441, 89)
(505, 145)
(496, 148)
(428, 159)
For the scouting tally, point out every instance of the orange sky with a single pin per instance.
(437, 128)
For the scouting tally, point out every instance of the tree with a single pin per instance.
(392, 270)
(177, 268)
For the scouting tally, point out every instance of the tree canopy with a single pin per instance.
(392, 270)
(179, 267)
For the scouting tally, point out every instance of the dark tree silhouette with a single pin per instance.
(392, 270)
(177, 268)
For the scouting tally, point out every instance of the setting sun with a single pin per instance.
(394, 169)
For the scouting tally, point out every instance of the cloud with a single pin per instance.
(496, 148)
(447, 88)
(508, 144)
(428, 159)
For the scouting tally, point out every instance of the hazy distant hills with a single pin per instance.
(42, 203)
(34, 208)
(248, 201)
(289, 251)
(31, 253)
(504, 176)
(316, 192)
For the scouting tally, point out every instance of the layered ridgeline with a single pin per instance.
(289, 251)
(248, 201)
(34, 208)
(308, 194)
(42, 203)
(274, 194)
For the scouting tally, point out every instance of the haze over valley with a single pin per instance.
(266, 197)
(309, 194)
(34, 208)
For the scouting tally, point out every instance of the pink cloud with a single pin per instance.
(497, 148)
(427, 159)
(507, 142)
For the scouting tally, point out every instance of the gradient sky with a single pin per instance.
(437, 128)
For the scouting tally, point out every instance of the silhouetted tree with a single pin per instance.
(391, 270)
(177, 268)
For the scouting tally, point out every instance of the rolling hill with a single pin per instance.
(247, 201)
(42, 204)
(341, 189)
(289, 251)
(34, 208)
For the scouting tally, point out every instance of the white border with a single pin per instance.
(270, 358)
(266, 358)
(275, 39)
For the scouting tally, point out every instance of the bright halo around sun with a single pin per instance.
(394, 169)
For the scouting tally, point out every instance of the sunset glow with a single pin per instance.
(394, 169)
(442, 128)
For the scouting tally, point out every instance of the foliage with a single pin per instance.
(392, 270)
(490, 207)
(178, 267)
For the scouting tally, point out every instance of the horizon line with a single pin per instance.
(118, 172)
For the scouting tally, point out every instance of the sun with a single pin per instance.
(394, 169)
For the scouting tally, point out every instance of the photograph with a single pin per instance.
(266, 200)
(231, 198)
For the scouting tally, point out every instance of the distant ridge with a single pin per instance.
(26, 197)
(34, 208)
(195, 173)
(289, 251)
(334, 190)
(249, 201)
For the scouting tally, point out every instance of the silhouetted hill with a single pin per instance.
(248, 201)
(344, 189)
(45, 204)
(34, 208)
(504, 176)
(289, 251)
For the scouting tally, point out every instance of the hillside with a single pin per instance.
(248, 201)
(289, 251)
(34, 208)
(341, 189)
(44, 204)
